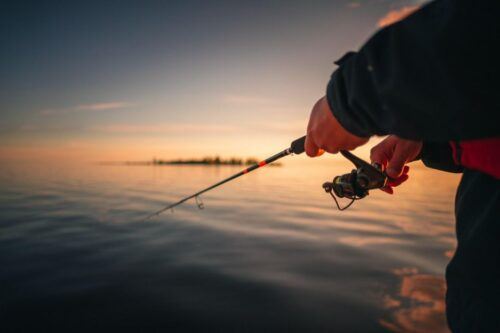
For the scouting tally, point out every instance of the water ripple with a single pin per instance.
(266, 253)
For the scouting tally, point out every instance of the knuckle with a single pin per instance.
(310, 153)
(332, 150)
(375, 152)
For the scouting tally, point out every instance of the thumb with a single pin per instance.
(397, 162)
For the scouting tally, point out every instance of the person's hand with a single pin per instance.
(393, 154)
(324, 132)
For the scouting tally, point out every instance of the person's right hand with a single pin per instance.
(393, 154)
(325, 133)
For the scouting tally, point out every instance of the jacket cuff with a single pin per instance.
(338, 99)
(439, 155)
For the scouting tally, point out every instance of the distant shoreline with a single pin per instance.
(207, 161)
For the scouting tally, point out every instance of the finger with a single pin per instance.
(404, 177)
(328, 145)
(380, 154)
(387, 189)
(312, 149)
(398, 181)
(404, 173)
(331, 150)
(397, 163)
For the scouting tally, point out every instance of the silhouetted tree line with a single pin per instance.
(210, 161)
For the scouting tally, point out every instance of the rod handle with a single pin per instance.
(298, 146)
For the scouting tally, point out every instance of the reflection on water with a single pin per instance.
(269, 251)
(419, 306)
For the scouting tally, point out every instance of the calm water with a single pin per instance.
(269, 251)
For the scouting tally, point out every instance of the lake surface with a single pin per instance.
(269, 252)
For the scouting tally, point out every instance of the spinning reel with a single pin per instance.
(356, 184)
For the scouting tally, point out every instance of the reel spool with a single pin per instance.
(356, 184)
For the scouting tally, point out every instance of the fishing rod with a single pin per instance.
(354, 185)
(296, 147)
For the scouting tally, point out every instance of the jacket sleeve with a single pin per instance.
(439, 155)
(431, 77)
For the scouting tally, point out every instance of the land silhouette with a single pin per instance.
(214, 161)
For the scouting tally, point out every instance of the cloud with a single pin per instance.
(396, 15)
(103, 106)
(354, 4)
(114, 105)
(290, 127)
(163, 128)
(248, 100)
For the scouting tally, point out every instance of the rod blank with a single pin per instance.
(296, 147)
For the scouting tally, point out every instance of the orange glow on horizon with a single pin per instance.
(148, 149)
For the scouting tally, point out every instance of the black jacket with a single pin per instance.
(435, 77)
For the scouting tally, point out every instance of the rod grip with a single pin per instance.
(298, 146)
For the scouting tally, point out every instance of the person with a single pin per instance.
(430, 82)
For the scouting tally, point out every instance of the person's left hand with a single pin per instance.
(324, 132)
(393, 153)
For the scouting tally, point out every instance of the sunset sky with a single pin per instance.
(129, 80)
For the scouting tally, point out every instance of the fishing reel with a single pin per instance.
(356, 184)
